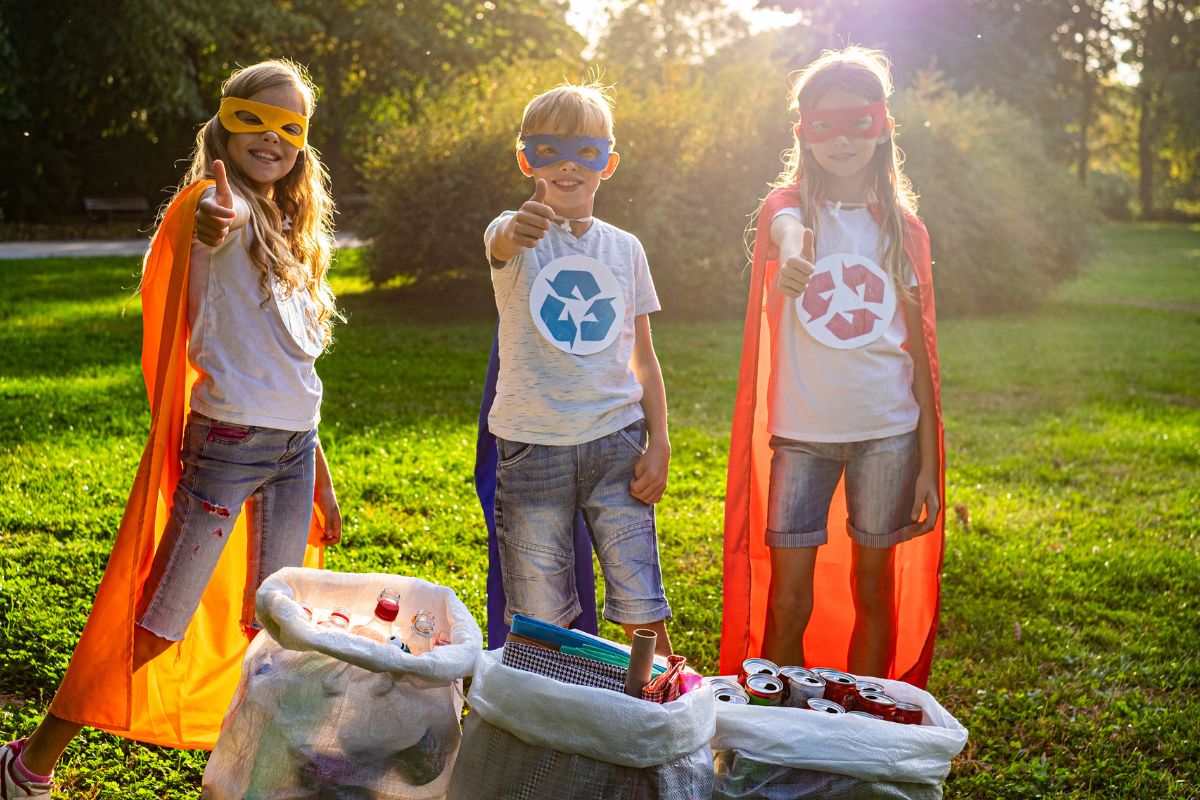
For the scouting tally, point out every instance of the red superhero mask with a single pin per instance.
(863, 122)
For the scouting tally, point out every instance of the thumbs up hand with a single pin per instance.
(216, 212)
(527, 227)
(796, 267)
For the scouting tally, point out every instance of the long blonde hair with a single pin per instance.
(299, 255)
(867, 73)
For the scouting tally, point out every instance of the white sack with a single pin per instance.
(863, 748)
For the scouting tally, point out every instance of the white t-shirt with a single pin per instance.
(841, 373)
(567, 308)
(256, 359)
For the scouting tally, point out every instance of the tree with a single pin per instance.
(1166, 52)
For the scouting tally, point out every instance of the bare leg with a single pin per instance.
(52, 735)
(662, 647)
(873, 586)
(790, 603)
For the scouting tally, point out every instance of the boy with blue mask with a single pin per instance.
(580, 413)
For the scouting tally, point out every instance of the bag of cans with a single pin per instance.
(788, 733)
(531, 736)
(321, 712)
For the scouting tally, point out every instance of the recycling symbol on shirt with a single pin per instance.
(849, 301)
(577, 304)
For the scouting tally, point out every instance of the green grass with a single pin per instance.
(1070, 626)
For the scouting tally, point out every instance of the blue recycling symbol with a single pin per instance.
(572, 286)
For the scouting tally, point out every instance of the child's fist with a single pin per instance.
(532, 220)
(215, 213)
(796, 270)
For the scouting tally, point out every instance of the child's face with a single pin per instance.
(264, 157)
(846, 157)
(570, 187)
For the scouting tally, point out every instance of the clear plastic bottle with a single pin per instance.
(379, 627)
(424, 626)
(339, 619)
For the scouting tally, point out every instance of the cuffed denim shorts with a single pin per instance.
(880, 478)
(225, 467)
(539, 488)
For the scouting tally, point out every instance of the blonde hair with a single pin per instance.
(572, 110)
(299, 255)
(867, 73)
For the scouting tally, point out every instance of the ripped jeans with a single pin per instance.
(269, 472)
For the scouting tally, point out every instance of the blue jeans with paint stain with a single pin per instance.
(538, 490)
(270, 473)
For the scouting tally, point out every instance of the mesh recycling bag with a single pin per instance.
(531, 736)
(323, 714)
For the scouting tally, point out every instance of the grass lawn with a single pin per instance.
(1070, 633)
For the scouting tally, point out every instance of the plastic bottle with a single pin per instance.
(379, 627)
(339, 618)
(424, 625)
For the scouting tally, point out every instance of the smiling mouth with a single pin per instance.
(262, 155)
(568, 184)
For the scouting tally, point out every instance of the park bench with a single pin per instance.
(108, 206)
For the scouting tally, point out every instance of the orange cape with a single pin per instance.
(918, 562)
(179, 698)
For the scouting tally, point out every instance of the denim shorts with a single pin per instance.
(880, 478)
(539, 488)
(225, 467)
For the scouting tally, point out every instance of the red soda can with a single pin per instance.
(907, 713)
(839, 687)
(764, 690)
(757, 666)
(877, 703)
(825, 706)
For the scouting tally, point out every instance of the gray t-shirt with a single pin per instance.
(567, 310)
(256, 353)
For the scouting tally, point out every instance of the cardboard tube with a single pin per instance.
(641, 659)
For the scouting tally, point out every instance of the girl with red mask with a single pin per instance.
(833, 523)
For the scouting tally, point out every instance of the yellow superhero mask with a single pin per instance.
(291, 127)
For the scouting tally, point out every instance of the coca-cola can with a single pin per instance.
(877, 703)
(867, 714)
(907, 713)
(764, 690)
(839, 687)
(799, 685)
(757, 666)
(823, 705)
(868, 686)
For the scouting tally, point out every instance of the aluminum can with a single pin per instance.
(907, 713)
(764, 690)
(730, 694)
(877, 703)
(717, 683)
(823, 705)
(863, 714)
(757, 666)
(839, 687)
(868, 686)
(799, 685)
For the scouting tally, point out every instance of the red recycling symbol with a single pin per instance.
(851, 318)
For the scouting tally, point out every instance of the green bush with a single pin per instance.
(1007, 222)
(697, 154)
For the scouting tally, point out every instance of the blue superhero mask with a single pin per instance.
(543, 150)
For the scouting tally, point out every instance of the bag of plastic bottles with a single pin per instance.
(322, 712)
(531, 737)
(780, 753)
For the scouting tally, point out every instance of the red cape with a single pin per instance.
(179, 698)
(918, 562)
